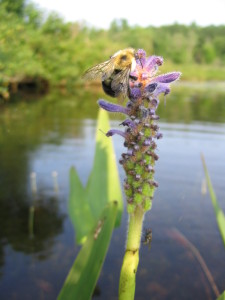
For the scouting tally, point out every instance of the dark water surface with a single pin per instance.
(40, 139)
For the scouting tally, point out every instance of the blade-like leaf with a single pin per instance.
(104, 181)
(222, 296)
(82, 278)
(218, 211)
(86, 204)
(79, 209)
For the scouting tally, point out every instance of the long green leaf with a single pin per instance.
(86, 203)
(79, 209)
(218, 211)
(104, 181)
(83, 276)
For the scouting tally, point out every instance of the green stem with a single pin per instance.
(131, 257)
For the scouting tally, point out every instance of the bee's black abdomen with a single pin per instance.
(106, 85)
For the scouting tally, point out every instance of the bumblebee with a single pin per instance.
(114, 73)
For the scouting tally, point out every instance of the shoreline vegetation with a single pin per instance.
(39, 52)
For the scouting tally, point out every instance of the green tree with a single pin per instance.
(12, 6)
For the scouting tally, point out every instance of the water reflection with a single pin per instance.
(195, 103)
(57, 131)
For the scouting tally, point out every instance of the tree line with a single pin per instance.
(35, 47)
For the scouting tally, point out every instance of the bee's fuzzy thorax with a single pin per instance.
(141, 131)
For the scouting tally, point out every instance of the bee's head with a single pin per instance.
(125, 57)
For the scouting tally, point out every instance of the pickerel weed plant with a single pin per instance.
(140, 135)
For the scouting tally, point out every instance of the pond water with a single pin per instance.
(41, 138)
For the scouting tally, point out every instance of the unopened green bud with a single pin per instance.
(129, 165)
(139, 169)
(130, 208)
(147, 132)
(147, 205)
(128, 192)
(138, 198)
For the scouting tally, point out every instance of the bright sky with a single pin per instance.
(100, 13)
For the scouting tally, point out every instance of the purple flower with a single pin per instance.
(141, 132)
(159, 135)
(129, 123)
(151, 88)
(147, 142)
(140, 57)
(152, 64)
(167, 78)
(113, 107)
(116, 131)
(145, 77)
(162, 88)
(135, 93)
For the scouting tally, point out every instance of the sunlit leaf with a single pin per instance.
(104, 182)
(79, 209)
(86, 203)
(82, 278)
(218, 211)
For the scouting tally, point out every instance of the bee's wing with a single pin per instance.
(101, 71)
(120, 84)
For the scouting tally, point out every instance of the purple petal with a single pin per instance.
(167, 78)
(115, 131)
(130, 152)
(144, 111)
(155, 102)
(150, 168)
(147, 142)
(134, 93)
(153, 62)
(137, 177)
(144, 76)
(151, 111)
(140, 57)
(129, 123)
(159, 135)
(112, 107)
(155, 117)
(149, 89)
(162, 88)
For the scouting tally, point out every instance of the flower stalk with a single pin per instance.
(140, 136)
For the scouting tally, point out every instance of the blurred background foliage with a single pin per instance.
(37, 49)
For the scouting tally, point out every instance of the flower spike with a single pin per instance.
(141, 131)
